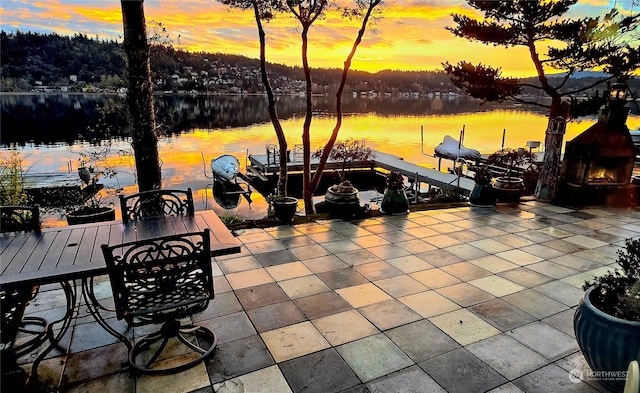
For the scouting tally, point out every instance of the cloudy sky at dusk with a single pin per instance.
(410, 34)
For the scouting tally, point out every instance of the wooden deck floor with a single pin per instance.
(266, 165)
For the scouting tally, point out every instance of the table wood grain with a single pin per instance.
(73, 252)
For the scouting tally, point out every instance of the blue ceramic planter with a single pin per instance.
(482, 195)
(607, 343)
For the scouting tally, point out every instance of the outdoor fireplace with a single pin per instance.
(598, 163)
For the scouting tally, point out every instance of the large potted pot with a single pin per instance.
(509, 187)
(394, 200)
(607, 320)
(89, 214)
(342, 198)
(284, 209)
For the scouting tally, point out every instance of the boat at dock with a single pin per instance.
(226, 188)
(225, 168)
(454, 150)
(59, 189)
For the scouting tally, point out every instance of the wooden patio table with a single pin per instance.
(66, 254)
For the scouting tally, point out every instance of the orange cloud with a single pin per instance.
(408, 35)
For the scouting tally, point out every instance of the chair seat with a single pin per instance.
(164, 308)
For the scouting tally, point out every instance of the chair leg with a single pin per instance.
(13, 378)
(38, 334)
(146, 343)
(203, 332)
(205, 338)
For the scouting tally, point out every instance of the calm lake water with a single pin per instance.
(45, 129)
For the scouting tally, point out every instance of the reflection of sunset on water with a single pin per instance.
(182, 155)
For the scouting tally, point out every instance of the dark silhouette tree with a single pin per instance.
(140, 96)
(576, 44)
(265, 11)
(363, 9)
(306, 12)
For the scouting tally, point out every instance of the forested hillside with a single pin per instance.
(51, 59)
(52, 62)
(31, 61)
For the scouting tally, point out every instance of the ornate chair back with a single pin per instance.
(157, 203)
(163, 281)
(19, 218)
(160, 279)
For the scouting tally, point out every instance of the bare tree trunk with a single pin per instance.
(273, 114)
(140, 96)
(556, 127)
(317, 176)
(307, 192)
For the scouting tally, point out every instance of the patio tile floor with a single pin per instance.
(451, 300)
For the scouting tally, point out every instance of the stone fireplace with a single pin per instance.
(597, 164)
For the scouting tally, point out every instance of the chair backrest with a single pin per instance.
(159, 279)
(13, 300)
(157, 203)
(19, 218)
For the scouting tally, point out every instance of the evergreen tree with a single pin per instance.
(576, 45)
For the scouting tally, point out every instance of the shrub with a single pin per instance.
(482, 175)
(395, 180)
(511, 158)
(619, 291)
(12, 181)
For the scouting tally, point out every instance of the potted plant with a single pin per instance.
(395, 199)
(483, 194)
(343, 197)
(282, 208)
(95, 209)
(607, 320)
(508, 186)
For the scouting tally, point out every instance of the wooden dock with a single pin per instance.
(55, 189)
(265, 164)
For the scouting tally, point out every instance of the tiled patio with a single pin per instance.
(456, 300)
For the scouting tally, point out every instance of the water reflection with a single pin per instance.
(212, 126)
(54, 118)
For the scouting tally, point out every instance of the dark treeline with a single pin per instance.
(52, 62)
(31, 60)
(51, 59)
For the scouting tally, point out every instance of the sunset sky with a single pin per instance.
(409, 35)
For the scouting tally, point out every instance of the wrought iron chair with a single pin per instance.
(157, 203)
(160, 281)
(19, 334)
(19, 218)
